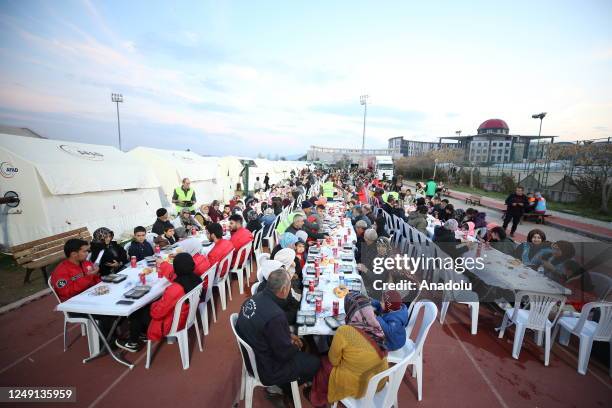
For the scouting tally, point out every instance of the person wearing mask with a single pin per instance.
(392, 315)
(240, 236)
(161, 222)
(140, 247)
(418, 219)
(74, 274)
(222, 246)
(184, 197)
(193, 247)
(534, 249)
(357, 353)
(215, 214)
(203, 215)
(106, 253)
(501, 242)
(167, 238)
(515, 208)
(263, 325)
(156, 319)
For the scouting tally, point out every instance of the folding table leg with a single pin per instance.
(106, 345)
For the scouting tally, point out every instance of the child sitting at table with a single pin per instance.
(392, 315)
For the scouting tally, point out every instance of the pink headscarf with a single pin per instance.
(471, 226)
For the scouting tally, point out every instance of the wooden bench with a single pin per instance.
(43, 252)
(473, 199)
(540, 218)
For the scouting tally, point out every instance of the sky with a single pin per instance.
(273, 78)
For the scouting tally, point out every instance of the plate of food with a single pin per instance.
(341, 291)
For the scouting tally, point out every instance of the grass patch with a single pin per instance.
(12, 287)
(573, 208)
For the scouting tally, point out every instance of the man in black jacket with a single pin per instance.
(516, 204)
(161, 222)
(263, 325)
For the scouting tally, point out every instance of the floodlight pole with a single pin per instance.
(118, 98)
(364, 101)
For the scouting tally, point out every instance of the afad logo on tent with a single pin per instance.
(7, 170)
(81, 152)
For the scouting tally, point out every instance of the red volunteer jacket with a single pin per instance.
(162, 312)
(240, 238)
(69, 279)
(201, 266)
(220, 251)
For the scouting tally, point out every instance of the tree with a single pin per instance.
(446, 155)
(594, 166)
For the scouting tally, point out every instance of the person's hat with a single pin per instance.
(392, 300)
(306, 204)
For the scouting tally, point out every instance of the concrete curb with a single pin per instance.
(15, 305)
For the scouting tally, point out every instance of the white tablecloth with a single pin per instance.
(87, 302)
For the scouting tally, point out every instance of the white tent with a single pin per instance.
(67, 185)
(172, 166)
(230, 168)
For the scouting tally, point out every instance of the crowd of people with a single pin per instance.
(337, 367)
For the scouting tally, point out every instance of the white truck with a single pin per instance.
(384, 167)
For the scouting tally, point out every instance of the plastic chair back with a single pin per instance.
(395, 375)
(244, 346)
(604, 326)
(260, 258)
(194, 300)
(209, 278)
(257, 241)
(602, 284)
(540, 306)
(254, 288)
(224, 265)
(429, 316)
(244, 253)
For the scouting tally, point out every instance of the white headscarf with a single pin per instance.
(191, 246)
(270, 265)
(286, 256)
(302, 235)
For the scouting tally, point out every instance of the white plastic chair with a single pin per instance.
(258, 242)
(182, 335)
(463, 297)
(209, 275)
(221, 279)
(250, 381)
(413, 350)
(150, 238)
(534, 318)
(254, 288)
(587, 331)
(87, 329)
(602, 284)
(260, 258)
(243, 269)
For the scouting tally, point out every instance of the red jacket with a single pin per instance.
(162, 312)
(201, 266)
(69, 280)
(220, 251)
(240, 238)
(363, 196)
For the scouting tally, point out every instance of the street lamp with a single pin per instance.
(458, 132)
(363, 99)
(118, 98)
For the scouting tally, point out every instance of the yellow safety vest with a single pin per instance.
(328, 190)
(182, 196)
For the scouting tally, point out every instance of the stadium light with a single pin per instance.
(458, 132)
(541, 117)
(363, 100)
(118, 98)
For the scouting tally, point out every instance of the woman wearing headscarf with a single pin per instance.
(192, 247)
(203, 215)
(291, 305)
(444, 236)
(357, 353)
(214, 213)
(158, 316)
(286, 240)
(253, 221)
(111, 255)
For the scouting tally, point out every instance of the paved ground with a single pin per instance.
(460, 370)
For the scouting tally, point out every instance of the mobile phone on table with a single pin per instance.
(125, 302)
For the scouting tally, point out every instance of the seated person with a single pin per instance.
(263, 325)
(298, 225)
(358, 215)
(214, 213)
(106, 253)
(161, 222)
(188, 222)
(194, 248)
(357, 353)
(477, 217)
(448, 213)
(531, 202)
(418, 219)
(534, 249)
(167, 238)
(222, 246)
(579, 282)
(140, 247)
(156, 318)
(287, 240)
(561, 251)
(285, 262)
(240, 236)
(392, 315)
(203, 215)
(74, 274)
(360, 228)
(253, 222)
(227, 211)
(444, 236)
(500, 241)
(312, 221)
(540, 203)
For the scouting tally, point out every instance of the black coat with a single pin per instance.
(516, 199)
(112, 252)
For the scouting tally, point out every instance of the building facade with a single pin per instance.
(331, 155)
(411, 148)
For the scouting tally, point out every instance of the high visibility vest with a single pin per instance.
(393, 194)
(328, 190)
(182, 196)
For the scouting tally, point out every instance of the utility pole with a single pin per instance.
(118, 98)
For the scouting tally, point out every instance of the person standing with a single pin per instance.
(516, 204)
(430, 188)
(266, 182)
(257, 185)
(184, 197)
